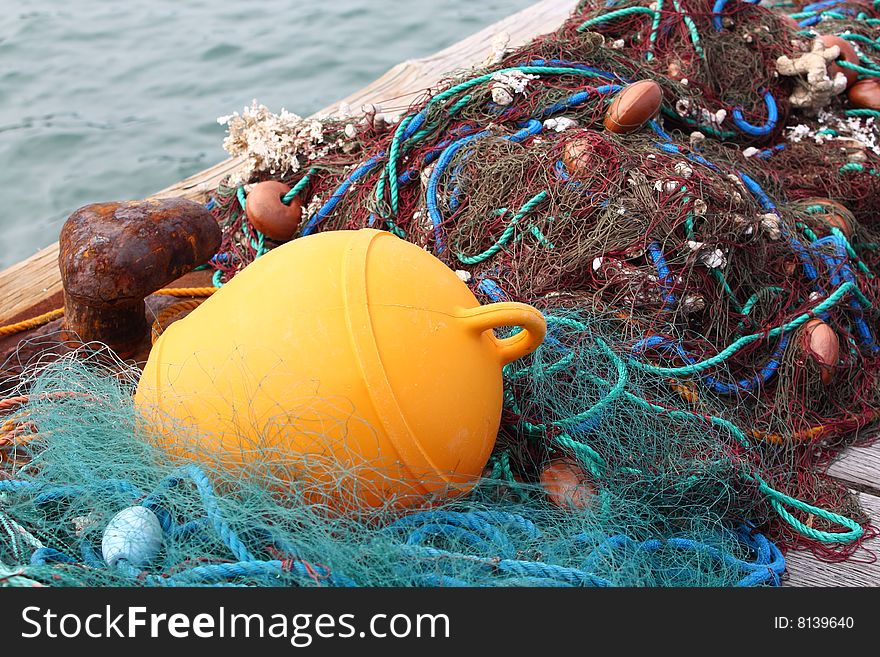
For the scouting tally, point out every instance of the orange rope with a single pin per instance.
(846, 424)
(170, 313)
(34, 322)
(45, 318)
(188, 291)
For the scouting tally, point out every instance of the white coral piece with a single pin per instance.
(271, 143)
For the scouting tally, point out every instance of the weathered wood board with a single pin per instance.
(805, 570)
(859, 468)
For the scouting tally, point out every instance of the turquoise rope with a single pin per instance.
(778, 500)
(391, 166)
(389, 175)
(858, 168)
(723, 134)
(629, 11)
(738, 344)
(258, 244)
(861, 39)
(655, 27)
(297, 188)
(691, 27)
(530, 205)
(864, 70)
(862, 112)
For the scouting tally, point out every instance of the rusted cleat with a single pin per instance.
(112, 255)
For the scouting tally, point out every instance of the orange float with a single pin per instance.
(566, 485)
(352, 362)
(865, 94)
(819, 341)
(835, 215)
(634, 106)
(268, 213)
(847, 53)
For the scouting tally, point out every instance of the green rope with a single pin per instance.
(752, 300)
(258, 244)
(858, 168)
(691, 27)
(613, 394)
(777, 499)
(620, 13)
(862, 112)
(464, 100)
(851, 252)
(689, 228)
(389, 174)
(709, 130)
(598, 467)
(861, 69)
(738, 344)
(391, 166)
(507, 234)
(861, 39)
(655, 27)
(297, 188)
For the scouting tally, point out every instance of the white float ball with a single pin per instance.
(133, 534)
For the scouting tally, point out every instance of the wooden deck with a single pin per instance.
(34, 285)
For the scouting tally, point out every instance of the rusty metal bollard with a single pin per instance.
(112, 255)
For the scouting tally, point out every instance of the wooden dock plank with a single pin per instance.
(859, 468)
(805, 570)
(27, 283)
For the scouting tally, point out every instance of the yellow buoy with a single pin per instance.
(351, 360)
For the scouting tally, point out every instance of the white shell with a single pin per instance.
(133, 534)
(501, 96)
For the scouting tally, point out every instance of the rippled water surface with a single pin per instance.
(104, 100)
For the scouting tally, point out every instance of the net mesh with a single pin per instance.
(674, 427)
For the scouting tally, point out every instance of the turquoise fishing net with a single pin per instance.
(672, 502)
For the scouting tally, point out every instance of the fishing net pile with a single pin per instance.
(674, 426)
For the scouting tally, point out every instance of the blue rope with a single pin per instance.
(472, 529)
(246, 566)
(719, 7)
(328, 207)
(758, 130)
(665, 278)
(841, 272)
(578, 98)
(583, 67)
(434, 182)
(532, 127)
(768, 206)
(492, 290)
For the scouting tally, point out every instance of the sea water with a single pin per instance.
(110, 100)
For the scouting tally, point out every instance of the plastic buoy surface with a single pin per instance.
(566, 485)
(355, 350)
(865, 94)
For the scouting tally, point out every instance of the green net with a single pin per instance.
(92, 459)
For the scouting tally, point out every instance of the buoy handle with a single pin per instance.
(508, 313)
